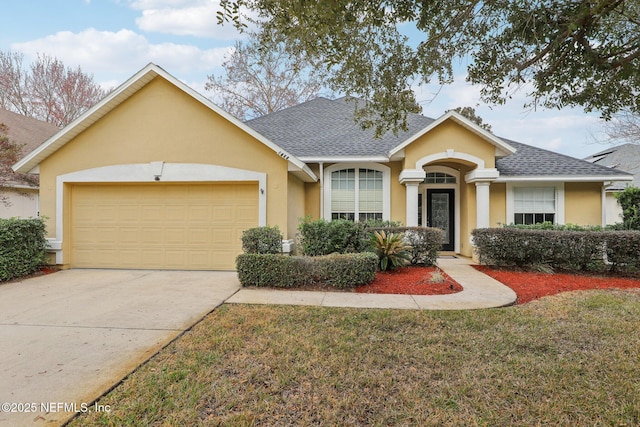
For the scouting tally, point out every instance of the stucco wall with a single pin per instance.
(449, 135)
(498, 207)
(583, 203)
(296, 204)
(18, 203)
(162, 123)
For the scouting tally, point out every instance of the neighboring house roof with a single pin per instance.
(26, 132)
(121, 94)
(625, 158)
(325, 130)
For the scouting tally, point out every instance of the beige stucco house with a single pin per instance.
(156, 176)
(18, 194)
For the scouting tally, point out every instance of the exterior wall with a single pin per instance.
(296, 205)
(446, 136)
(467, 217)
(18, 203)
(162, 123)
(498, 194)
(583, 203)
(613, 209)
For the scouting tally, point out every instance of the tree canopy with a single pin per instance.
(562, 52)
(47, 90)
(262, 78)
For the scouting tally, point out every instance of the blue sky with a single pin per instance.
(113, 39)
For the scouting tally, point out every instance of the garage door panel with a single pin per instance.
(194, 226)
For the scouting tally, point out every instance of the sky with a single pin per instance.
(113, 39)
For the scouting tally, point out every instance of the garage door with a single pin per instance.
(163, 226)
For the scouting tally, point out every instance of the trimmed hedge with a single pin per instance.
(262, 240)
(338, 270)
(425, 242)
(22, 247)
(322, 237)
(593, 251)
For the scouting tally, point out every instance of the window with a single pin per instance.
(357, 194)
(534, 205)
(439, 178)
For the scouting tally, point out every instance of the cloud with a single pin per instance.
(196, 18)
(107, 54)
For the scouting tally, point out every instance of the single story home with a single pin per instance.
(625, 157)
(156, 176)
(19, 196)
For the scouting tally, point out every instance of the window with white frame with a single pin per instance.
(534, 205)
(357, 194)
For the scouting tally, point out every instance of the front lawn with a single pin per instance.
(571, 359)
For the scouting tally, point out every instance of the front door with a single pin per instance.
(440, 214)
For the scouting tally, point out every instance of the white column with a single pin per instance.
(412, 203)
(482, 204)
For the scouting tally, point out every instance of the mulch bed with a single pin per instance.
(531, 285)
(412, 281)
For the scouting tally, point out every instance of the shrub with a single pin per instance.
(338, 270)
(629, 201)
(425, 242)
(22, 247)
(322, 237)
(262, 240)
(391, 250)
(595, 251)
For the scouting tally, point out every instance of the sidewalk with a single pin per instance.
(479, 291)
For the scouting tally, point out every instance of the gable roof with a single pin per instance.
(624, 157)
(326, 130)
(26, 132)
(126, 90)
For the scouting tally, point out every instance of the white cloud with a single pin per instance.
(107, 54)
(185, 18)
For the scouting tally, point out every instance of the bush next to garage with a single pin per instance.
(22, 247)
(576, 251)
(262, 240)
(337, 270)
(322, 237)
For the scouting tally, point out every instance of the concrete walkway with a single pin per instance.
(479, 291)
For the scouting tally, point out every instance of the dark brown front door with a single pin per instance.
(441, 214)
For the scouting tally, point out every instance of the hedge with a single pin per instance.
(22, 247)
(322, 237)
(262, 240)
(338, 270)
(575, 251)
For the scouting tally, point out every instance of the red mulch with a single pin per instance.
(530, 285)
(411, 281)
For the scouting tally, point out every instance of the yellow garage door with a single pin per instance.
(160, 226)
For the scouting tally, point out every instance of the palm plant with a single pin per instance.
(391, 249)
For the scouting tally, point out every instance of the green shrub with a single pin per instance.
(425, 242)
(594, 251)
(262, 240)
(338, 270)
(22, 247)
(322, 237)
(629, 201)
(391, 250)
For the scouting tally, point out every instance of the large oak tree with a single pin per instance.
(564, 52)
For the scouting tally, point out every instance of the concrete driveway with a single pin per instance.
(67, 337)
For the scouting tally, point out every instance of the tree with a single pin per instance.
(470, 113)
(10, 154)
(568, 52)
(47, 90)
(623, 127)
(261, 79)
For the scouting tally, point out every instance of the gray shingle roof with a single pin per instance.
(624, 157)
(323, 128)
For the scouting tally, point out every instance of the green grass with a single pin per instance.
(572, 359)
